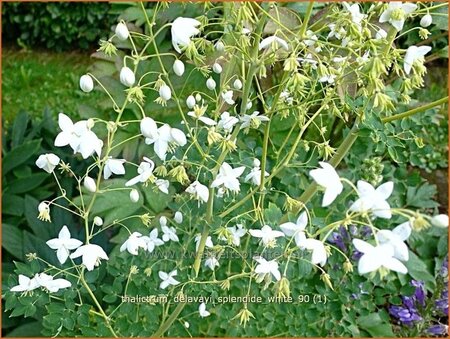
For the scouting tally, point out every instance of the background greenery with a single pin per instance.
(38, 83)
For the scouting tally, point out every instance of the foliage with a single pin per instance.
(57, 26)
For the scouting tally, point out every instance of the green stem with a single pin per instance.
(165, 326)
(415, 110)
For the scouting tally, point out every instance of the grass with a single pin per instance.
(33, 80)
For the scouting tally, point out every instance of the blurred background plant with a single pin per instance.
(47, 46)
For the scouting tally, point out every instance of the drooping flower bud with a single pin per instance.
(217, 68)
(127, 77)
(426, 20)
(44, 212)
(198, 97)
(98, 221)
(178, 217)
(211, 84)
(190, 101)
(134, 195)
(90, 184)
(165, 93)
(440, 220)
(220, 47)
(178, 67)
(86, 83)
(237, 84)
(122, 32)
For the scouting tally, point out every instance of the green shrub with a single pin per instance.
(57, 25)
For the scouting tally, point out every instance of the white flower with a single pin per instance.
(90, 254)
(183, 29)
(308, 59)
(190, 101)
(267, 267)
(396, 239)
(47, 162)
(169, 233)
(51, 284)
(163, 221)
(236, 233)
(164, 137)
(311, 38)
(217, 68)
(113, 166)
(237, 84)
(371, 199)
(145, 171)
(25, 284)
(63, 244)
(186, 324)
(296, 230)
(78, 137)
(178, 67)
(212, 263)
(202, 310)
(199, 191)
(149, 129)
(132, 244)
(227, 122)
(86, 83)
(127, 77)
(228, 177)
(202, 118)
(328, 78)
(122, 31)
(208, 242)
(152, 240)
(44, 211)
(440, 220)
(255, 176)
(134, 195)
(376, 257)
(178, 217)
(253, 119)
(414, 53)
(228, 97)
(381, 34)
(211, 84)
(319, 254)
(396, 13)
(98, 221)
(328, 178)
(273, 42)
(90, 184)
(163, 185)
(267, 235)
(426, 20)
(355, 13)
(167, 279)
(165, 92)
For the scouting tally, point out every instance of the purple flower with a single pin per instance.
(406, 316)
(438, 330)
(419, 293)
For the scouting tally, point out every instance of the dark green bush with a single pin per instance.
(56, 25)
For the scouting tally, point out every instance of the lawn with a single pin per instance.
(34, 80)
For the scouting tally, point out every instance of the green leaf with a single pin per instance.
(27, 184)
(12, 205)
(19, 128)
(272, 214)
(20, 154)
(12, 240)
(422, 196)
(418, 270)
(31, 329)
(375, 326)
